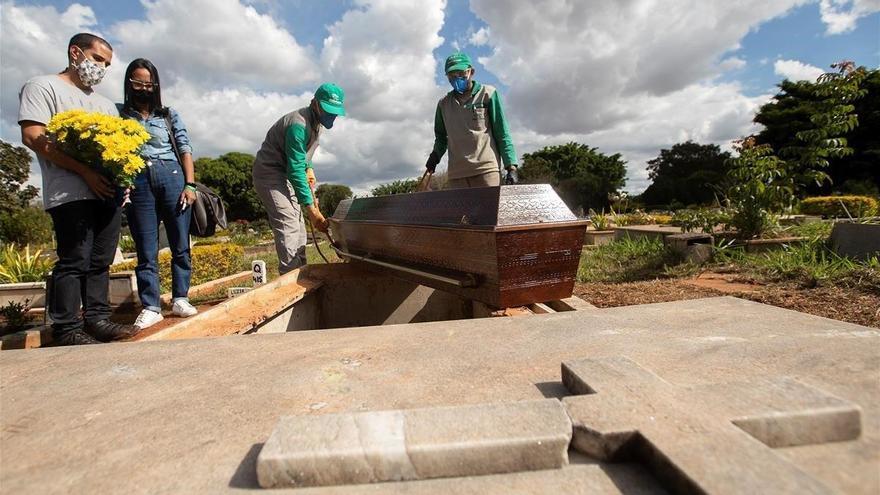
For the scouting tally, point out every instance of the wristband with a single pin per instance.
(191, 186)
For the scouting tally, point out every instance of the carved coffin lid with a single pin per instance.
(479, 208)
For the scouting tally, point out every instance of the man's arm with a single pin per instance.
(500, 131)
(33, 135)
(295, 146)
(441, 139)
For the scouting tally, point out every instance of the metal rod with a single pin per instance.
(468, 282)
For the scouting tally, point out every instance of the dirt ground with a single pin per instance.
(838, 303)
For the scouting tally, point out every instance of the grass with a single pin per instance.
(811, 230)
(809, 264)
(627, 260)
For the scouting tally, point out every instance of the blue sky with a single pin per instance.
(628, 78)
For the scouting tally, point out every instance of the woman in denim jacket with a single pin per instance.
(163, 191)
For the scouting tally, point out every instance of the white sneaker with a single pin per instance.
(183, 308)
(148, 318)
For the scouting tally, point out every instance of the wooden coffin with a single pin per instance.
(505, 246)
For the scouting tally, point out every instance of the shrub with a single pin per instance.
(600, 221)
(637, 217)
(760, 187)
(662, 219)
(17, 266)
(16, 316)
(208, 263)
(30, 225)
(703, 219)
(838, 206)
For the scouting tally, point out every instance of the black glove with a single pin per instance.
(511, 177)
(433, 160)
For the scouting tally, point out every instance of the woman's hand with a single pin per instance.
(188, 196)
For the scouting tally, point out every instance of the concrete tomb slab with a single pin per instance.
(191, 415)
(707, 438)
(369, 447)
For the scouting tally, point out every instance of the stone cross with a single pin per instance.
(706, 439)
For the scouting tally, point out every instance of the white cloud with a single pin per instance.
(563, 56)
(218, 43)
(732, 63)
(630, 77)
(795, 70)
(381, 54)
(841, 16)
(480, 37)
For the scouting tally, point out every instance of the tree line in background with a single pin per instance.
(824, 134)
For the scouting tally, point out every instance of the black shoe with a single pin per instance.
(74, 337)
(107, 331)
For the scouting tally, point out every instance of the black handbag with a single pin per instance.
(208, 211)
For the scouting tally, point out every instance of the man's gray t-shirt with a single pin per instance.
(40, 99)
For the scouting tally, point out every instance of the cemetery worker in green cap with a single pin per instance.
(282, 173)
(470, 122)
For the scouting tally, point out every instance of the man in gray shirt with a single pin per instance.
(80, 200)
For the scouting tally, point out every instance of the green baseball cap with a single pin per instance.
(458, 61)
(331, 97)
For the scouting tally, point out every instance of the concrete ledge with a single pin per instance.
(208, 287)
(242, 314)
(34, 292)
(27, 339)
(414, 444)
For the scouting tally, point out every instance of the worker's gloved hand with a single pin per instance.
(310, 176)
(511, 177)
(433, 160)
(318, 221)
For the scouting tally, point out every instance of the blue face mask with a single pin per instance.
(459, 84)
(327, 119)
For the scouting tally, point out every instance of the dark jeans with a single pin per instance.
(156, 197)
(86, 233)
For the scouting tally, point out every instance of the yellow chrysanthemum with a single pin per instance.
(114, 140)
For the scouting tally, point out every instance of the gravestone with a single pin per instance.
(706, 439)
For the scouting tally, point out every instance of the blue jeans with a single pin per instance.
(156, 197)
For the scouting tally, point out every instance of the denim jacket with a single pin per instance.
(159, 145)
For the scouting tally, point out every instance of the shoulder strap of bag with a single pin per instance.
(171, 137)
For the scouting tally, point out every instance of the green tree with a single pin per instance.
(404, 186)
(28, 225)
(759, 187)
(828, 131)
(688, 173)
(582, 176)
(330, 195)
(15, 168)
(230, 177)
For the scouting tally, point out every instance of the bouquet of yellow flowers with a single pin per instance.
(96, 139)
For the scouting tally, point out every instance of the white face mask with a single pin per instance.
(90, 73)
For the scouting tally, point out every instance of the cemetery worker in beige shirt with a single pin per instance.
(470, 122)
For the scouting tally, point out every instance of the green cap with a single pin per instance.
(331, 97)
(458, 61)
